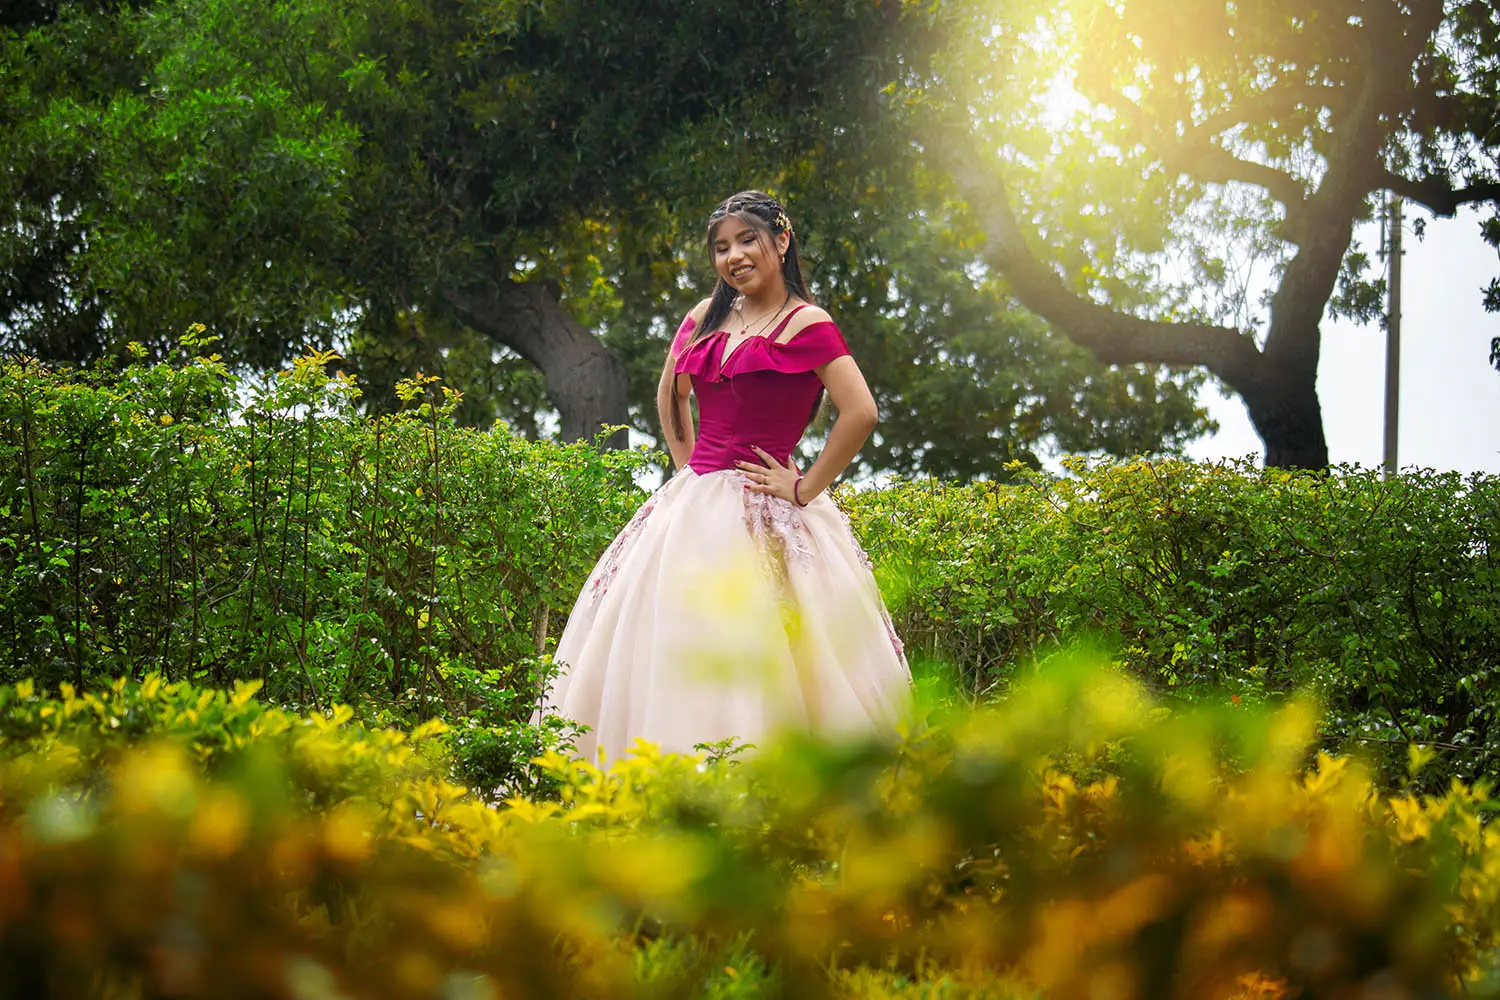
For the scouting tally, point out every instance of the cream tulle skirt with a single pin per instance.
(718, 613)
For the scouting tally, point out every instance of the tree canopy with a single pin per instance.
(513, 193)
(1179, 183)
(296, 171)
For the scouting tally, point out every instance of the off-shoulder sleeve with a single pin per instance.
(679, 341)
(695, 357)
(813, 347)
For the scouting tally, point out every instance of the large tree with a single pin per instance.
(513, 193)
(316, 170)
(1179, 181)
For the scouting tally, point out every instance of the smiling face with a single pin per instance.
(747, 257)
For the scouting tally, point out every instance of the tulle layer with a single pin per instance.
(722, 613)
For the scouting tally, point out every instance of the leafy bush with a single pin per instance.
(188, 522)
(1383, 595)
(1075, 840)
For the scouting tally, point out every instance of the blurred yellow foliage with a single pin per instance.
(1075, 841)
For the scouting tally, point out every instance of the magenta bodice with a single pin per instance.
(763, 394)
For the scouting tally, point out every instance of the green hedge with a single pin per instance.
(188, 522)
(1384, 596)
(191, 523)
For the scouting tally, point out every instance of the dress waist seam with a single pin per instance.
(710, 471)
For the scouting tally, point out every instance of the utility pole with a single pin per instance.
(1393, 341)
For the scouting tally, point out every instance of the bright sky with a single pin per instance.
(1450, 396)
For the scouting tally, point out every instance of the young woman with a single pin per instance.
(737, 602)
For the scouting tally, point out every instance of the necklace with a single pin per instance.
(745, 333)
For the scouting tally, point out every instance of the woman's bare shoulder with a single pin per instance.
(699, 311)
(804, 318)
(687, 334)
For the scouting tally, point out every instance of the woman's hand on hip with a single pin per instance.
(772, 478)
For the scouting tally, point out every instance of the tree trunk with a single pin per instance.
(585, 382)
(1285, 411)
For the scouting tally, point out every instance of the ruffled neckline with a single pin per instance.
(814, 346)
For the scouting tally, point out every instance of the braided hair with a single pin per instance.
(765, 215)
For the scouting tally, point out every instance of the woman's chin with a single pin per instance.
(753, 285)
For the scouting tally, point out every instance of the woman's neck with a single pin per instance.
(764, 303)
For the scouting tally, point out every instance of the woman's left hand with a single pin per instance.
(772, 478)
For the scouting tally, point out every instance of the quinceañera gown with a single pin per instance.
(720, 612)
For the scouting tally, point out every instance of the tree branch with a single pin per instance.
(1435, 193)
(1211, 162)
(1204, 159)
(1424, 20)
(1273, 105)
(1114, 337)
(1325, 221)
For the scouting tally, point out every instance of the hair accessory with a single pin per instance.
(783, 224)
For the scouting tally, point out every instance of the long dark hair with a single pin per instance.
(765, 215)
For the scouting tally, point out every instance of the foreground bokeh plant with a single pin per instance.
(1077, 840)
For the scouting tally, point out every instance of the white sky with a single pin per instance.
(1450, 396)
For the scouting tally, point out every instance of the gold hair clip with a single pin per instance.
(783, 224)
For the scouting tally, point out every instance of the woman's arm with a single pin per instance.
(857, 418)
(680, 447)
